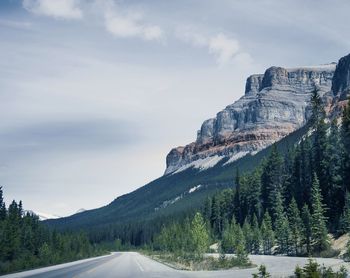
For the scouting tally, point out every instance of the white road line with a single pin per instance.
(139, 265)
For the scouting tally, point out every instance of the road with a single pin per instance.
(132, 264)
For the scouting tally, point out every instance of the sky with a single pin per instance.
(94, 93)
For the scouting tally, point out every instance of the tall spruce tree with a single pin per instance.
(267, 234)
(240, 250)
(253, 193)
(271, 180)
(256, 235)
(345, 135)
(248, 236)
(228, 242)
(307, 234)
(216, 219)
(282, 230)
(296, 227)
(319, 236)
(321, 144)
(2, 206)
(345, 219)
(335, 195)
(199, 235)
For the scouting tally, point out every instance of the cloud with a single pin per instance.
(130, 25)
(61, 9)
(223, 47)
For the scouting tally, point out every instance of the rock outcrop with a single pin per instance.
(341, 80)
(275, 104)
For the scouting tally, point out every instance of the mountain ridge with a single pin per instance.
(274, 104)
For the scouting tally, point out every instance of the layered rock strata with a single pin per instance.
(275, 104)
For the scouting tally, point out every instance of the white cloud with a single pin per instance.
(130, 24)
(63, 9)
(223, 47)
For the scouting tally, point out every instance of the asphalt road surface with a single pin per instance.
(132, 264)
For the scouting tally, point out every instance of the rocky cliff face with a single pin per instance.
(341, 80)
(275, 104)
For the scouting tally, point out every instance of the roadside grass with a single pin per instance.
(194, 263)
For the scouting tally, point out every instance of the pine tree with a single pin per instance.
(267, 233)
(240, 250)
(335, 197)
(256, 235)
(345, 219)
(199, 235)
(282, 230)
(2, 206)
(271, 180)
(207, 209)
(321, 144)
(216, 219)
(254, 194)
(296, 227)
(248, 236)
(319, 237)
(317, 109)
(229, 237)
(345, 136)
(237, 200)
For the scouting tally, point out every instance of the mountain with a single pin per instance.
(43, 216)
(275, 104)
(274, 108)
(81, 210)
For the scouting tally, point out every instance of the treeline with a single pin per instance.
(290, 203)
(25, 243)
(187, 242)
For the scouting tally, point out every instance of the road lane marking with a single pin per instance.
(137, 262)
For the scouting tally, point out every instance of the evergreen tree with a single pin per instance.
(335, 195)
(345, 136)
(282, 230)
(241, 252)
(345, 219)
(271, 180)
(296, 227)
(199, 235)
(237, 200)
(2, 206)
(256, 235)
(216, 219)
(229, 237)
(207, 209)
(248, 236)
(319, 237)
(267, 234)
(253, 193)
(307, 234)
(321, 144)
(317, 109)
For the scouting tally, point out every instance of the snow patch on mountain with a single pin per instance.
(42, 215)
(193, 189)
(236, 157)
(201, 164)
